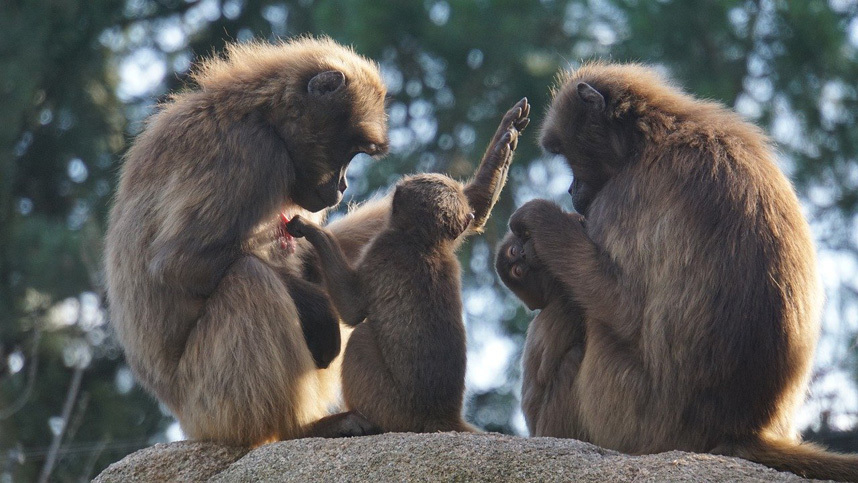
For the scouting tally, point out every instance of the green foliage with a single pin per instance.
(78, 77)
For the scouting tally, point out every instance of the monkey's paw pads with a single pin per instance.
(354, 424)
(513, 123)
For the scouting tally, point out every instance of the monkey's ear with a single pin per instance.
(326, 82)
(591, 96)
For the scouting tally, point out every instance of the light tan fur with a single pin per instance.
(690, 282)
(202, 298)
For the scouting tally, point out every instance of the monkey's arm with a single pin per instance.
(558, 240)
(341, 279)
(319, 320)
(202, 228)
(483, 191)
(360, 225)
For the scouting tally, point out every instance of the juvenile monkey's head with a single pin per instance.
(591, 125)
(324, 102)
(431, 205)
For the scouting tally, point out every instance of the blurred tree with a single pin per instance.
(77, 78)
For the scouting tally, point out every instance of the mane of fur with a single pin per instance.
(260, 74)
(662, 109)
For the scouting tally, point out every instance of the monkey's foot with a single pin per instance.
(342, 425)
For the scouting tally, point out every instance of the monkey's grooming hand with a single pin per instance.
(545, 229)
(300, 228)
(491, 175)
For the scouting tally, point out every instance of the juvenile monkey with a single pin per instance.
(404, 366)
(689, 273)
(555, 342)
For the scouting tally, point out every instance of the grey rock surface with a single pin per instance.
(427, 457)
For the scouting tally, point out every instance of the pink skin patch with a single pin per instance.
(287, 241)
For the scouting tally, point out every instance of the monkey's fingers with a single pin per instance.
(296, 227)
(524, 117)
(513, 142)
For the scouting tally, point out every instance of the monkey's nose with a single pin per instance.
(343, 185)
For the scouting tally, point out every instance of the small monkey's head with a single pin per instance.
(321, 100)
(589, 124)
(431, 205)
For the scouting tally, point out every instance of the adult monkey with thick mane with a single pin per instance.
(221, 314)
(693, 301)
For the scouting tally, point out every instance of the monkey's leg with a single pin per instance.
(341, 425)
(551, 361)
(341, 279)
(246, 375)
(620, 405)
(319, 321)
(370, 389)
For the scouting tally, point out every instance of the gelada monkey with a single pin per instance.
(404, 365)
(209, 301)
(689, 275)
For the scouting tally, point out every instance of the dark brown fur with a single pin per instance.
(691, 284)
(212, 314)
(404, 366)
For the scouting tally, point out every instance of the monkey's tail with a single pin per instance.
(804, 459)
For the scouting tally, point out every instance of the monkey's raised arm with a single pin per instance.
(483, 191)
(341, 279)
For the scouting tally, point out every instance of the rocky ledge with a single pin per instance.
(426, 457)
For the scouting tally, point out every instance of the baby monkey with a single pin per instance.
(553, 344)
(404, 367)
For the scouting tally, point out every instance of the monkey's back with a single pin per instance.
(723, 265)
(415, 316)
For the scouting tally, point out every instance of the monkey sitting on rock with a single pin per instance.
(404, 364)
(688, 275)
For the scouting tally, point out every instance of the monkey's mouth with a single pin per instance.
(581, 195)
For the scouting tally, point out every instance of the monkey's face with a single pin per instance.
(521, 274)
(432, 205)
(339, 118)
(595, 142)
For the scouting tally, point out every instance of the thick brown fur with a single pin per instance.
(216, 320)
(404, 365)
(691, 282)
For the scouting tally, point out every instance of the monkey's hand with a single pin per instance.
(483, 191)
(545, 230)
(300, 228)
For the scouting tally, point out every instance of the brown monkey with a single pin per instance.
(404, 366)
(215, 318)
(555, 342)
(694, 277)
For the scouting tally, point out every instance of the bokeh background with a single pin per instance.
(78, 77)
